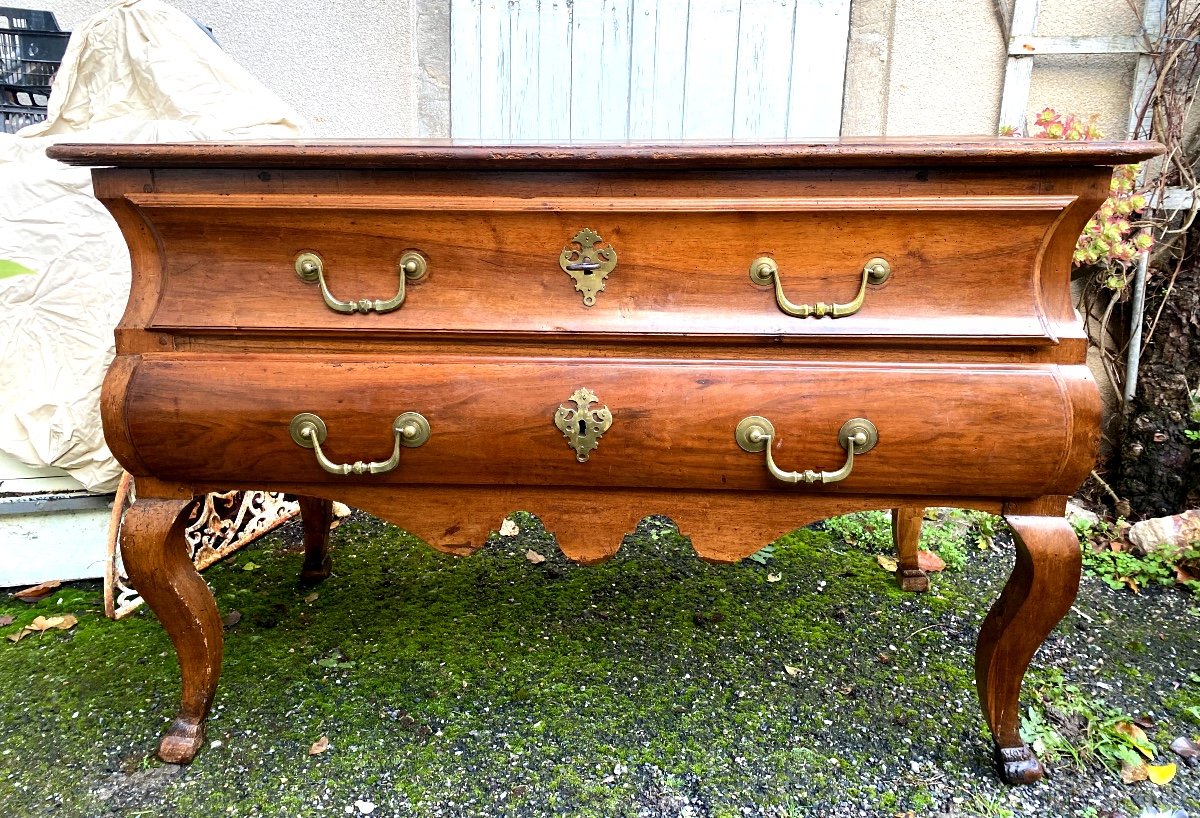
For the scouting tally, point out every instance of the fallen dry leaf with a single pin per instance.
(1161, 774)
(1132, 773)
(791, 671)
(5, 620)
(930, 562)
(250, 566)
(311, 598)
(231, 619)
(44, 624)
(319, 746)
(35, 592)
(534, 557)
(1136, 735)
(887, 563)
(508, 528)
(774, 577)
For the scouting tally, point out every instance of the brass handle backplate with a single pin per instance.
(308, 430)
(764, 270)
(311, 268)
(588, 265)
(857, 436)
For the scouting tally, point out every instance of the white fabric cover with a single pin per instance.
(139, 71)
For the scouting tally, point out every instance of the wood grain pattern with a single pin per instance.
(1039, 593)
(317, 515)
(906, 534)
(683, 274)
(969, 360)
(949, 430)
(157, 561)
(447, 155)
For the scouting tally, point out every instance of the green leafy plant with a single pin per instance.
(868, 530)
(1112, 240)
(947, 532)
(762, 555)
(1067, 724)
(10, 268)
(1107, 555)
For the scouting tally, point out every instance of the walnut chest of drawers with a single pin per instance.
(743, 338)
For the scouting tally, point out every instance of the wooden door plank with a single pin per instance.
(465, 90)
(670, 68)
(764, 65)
(586, 60)
(524, 115)
(711, 70)
(494, 54)
(555, 36)
(818, 69)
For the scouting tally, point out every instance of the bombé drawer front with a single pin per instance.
(982, 431)
(785, 268)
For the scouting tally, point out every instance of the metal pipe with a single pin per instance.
(1135, 329)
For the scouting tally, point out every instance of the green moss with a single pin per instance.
(489, 685)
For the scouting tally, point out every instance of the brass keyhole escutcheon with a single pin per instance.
(588, 264)
(584, 423)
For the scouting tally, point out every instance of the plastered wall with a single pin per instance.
(924, 67)
(348, 66)
(380, 68)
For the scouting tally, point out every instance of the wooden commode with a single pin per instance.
(743, 338)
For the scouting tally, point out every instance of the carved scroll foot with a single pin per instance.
(159, 566)
(1039, 593)
(1018, 765)
(182, 740)
(317, 515)
(906, 534)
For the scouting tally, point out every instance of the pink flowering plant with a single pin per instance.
(1112, 239)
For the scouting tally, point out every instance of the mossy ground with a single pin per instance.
(651, 685)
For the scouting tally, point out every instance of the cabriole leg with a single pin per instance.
(906, 534)
(316, 514)
(159, 566)
(1039, 593)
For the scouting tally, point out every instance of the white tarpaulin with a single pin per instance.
(140, 71)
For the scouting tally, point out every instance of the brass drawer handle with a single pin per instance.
(857, 436)
(311, 268)
(764, 270)
(308, 430)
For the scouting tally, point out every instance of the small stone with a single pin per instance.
(364, 807)
(1186, 749)
(1077, 513)
(1167, 535)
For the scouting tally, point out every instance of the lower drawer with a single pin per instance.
(951, 430)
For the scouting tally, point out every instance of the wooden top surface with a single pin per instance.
(457, 155)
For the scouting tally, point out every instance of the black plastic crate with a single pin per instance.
(15, 117)
(27, 19)
(31, 49)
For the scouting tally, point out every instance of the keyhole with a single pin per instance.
(582, 426)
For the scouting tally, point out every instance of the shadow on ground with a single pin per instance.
(652, 685)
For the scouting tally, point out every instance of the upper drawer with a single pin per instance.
(961, 266)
